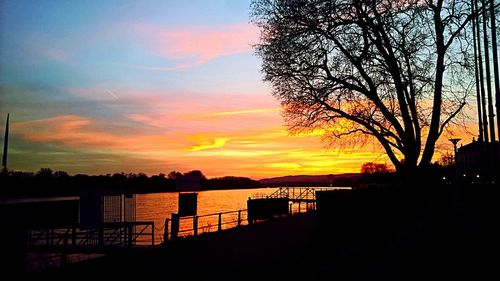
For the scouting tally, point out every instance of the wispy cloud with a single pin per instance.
(253, 152)
(197, 45)
(150, 120)
(216, 143)
(72, 130)
(113, 95)
(93, 93)
(244, 111)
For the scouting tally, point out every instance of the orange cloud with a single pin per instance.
(198, 45)
(217, 143)
(80, 132)
(255, 151)
(259, 150)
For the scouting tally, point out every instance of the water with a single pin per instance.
(157, 207)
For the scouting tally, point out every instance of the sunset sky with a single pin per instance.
(100, 87)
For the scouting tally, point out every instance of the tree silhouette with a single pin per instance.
(446, 160)
(375, 168)
(398, 71)
(45, 173)
(174, 174)
(196, 173)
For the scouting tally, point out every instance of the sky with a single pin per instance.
(100, 87)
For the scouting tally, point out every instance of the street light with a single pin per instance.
(454, 141)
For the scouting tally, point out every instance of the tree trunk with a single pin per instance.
(433, 135)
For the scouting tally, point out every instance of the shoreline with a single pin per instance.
(440, 233)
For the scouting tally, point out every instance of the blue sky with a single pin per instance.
(147, 86)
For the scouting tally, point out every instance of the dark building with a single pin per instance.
(478, 161)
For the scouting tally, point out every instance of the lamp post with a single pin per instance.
(454, 141)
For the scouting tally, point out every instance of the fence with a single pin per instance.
(297, 194)
(195, 225)
(105, 235)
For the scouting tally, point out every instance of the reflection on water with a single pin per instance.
(159, 206)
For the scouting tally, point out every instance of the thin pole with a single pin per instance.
(219, 228)
(195, 225)
(491, 114)
(476, 72)
(481, 76)
(495, 64)
(165, 231)
(175, 226)
(5, 144)
(153, 234)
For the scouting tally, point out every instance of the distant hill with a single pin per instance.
(347, 179)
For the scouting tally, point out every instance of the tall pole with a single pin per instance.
(481, 76)
(491, 114)
(476, 72)
(5, 145)
(495, 63)
(454, 141)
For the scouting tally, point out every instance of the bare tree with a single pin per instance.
(375, 168)
(399, 71)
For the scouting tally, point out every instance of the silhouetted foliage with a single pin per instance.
(196, 173)
(174, 174)
(396, 71)
(60, 174)
(375, 168)
(446, 160)
(45, 172)
(60, 183)
(230, 183)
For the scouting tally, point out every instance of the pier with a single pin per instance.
(297, 195)
(259, 207)
(280, 202)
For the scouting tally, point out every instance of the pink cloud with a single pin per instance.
(261, 151)
(72, 130)
(157, 121)
(198, 45)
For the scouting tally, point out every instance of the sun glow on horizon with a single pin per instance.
(152, 87)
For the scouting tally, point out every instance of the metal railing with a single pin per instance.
(100, 237)
(195, 225)
(292, 193)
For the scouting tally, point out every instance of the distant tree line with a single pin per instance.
(227, 182)
(47, 182)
